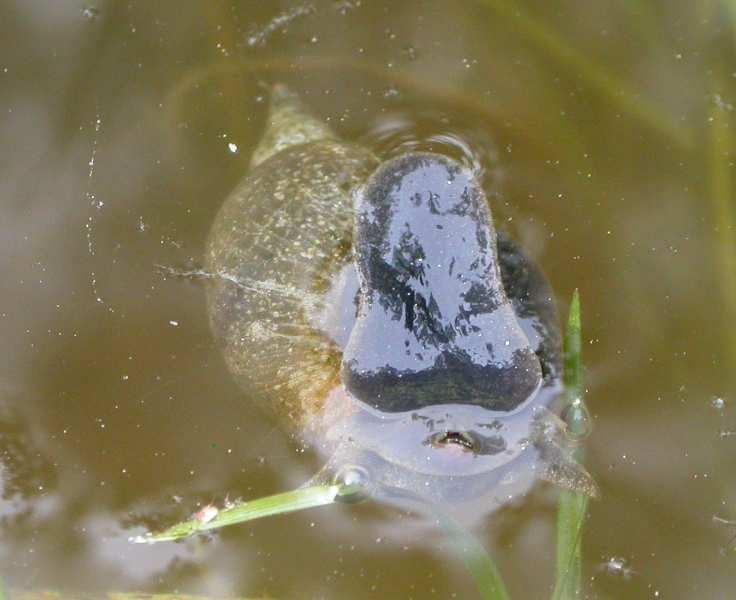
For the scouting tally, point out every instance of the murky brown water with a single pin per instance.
(116, 410)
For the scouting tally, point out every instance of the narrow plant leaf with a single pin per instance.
(568, 570)
(721, 183)
(572, 350)
(571, 505)
(595, 75)
(247, 511)
(477, 561)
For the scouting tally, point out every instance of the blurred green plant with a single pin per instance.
(572, 506)
(595, 75)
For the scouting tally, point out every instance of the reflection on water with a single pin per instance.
(116, 410)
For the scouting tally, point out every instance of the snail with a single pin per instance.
(376, 311)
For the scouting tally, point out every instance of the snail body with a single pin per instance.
(374, 309)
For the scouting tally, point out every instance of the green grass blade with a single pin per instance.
(721, 188)
(568, 570)
(477, 561)
(241, 512)
(572, 351)
(595, 75)
(571, 505)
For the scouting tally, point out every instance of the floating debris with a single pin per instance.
(259, 36)
(617, 566)
(207, 514)
(731, 544)
(345, 6)
(391, 92)
(90, 13)
(721, 103)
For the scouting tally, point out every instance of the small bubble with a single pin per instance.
(354, 482)
(174, 323)
(718, 403)
(410, 52)
(578, 420)
(233, 148)
(142, 226)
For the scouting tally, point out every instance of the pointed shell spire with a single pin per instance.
(288, 125)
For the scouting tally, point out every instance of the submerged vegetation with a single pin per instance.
(462, 544)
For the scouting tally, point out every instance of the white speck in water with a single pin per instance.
(90, 12)
(618, 567)
(718, 403)
(174, 323)
(233, 148)
(391, 92)
(410, 52)
(142, 226)
(125, 377)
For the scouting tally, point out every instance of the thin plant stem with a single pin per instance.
(240, 512)
(476, 560)
(720, 140)
(572, 506)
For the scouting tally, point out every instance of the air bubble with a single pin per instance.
(354, 484)
(578, 420)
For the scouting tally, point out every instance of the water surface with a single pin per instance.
(126, 124)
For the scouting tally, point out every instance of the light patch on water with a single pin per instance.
(259, 36)
(721, 103)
